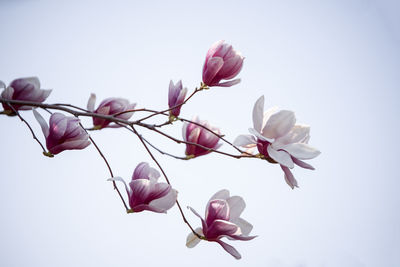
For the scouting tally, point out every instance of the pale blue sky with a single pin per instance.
(335, 63)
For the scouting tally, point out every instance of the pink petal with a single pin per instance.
(166, 202)
(231, 250)
(217, 209)
(302, 164)
(228, 83)
(214, 64)
(289, 178)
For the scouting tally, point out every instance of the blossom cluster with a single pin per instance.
(275, 137)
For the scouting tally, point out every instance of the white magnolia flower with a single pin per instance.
(279, 139)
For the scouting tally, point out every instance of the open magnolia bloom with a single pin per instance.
(222, 219)
(110, 106)
(222, 63)
(279, 140)
(146, 193)
(64, 133)
(26, 89)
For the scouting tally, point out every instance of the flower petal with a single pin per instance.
(42, 122)
(244, 226)
(258, 110)
(302, 164)
(296, 135)
(244, 140)
(289, 178)
(166, 202)
(91, 102)
(279, 124)
(301, 151)
(221, 228)
(217, 209)
(212, 67)
(119, 179)
(231, 250)
(192, 240)
(281, 157)
(221, 194)
(259, 136)
(229, 83)
(236, 207)
(198, 215)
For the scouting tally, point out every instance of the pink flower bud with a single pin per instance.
(109, 106)
(176, 96)
(25, 89)
(194, 133)
(222, 219)
(145, 193)
(222, 63)
(64, 133)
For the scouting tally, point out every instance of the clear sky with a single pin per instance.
(335, 63)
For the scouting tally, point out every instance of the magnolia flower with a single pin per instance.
(279, 140)
(109, 106)
(145, 193)
(222, 219)
(222, 63)
(64, 133)
(24, 89)
(196, 134)
(176, 96)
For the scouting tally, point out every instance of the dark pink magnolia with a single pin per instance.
(194, 133)
(222, 63)
(146, 193)
(176, 96)
(64, 133)
(222, 219)
(25, 89)
(110, 106)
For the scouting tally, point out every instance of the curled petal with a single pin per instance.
(217, 209)
(119, 179)
(192, 240)
(198, 215)
(214, 64)
(258, 110)
(289, 178)
(302, 164)
(231, 250)
(229, 83)
(42, 122)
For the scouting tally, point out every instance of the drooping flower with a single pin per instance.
(146, 193)
(279, 140)
(196, 134)
(109, 106)
(64, 133)
(24, 89)
(176, 96)
(222, 219)
(222, 63)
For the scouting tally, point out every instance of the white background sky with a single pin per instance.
(335, 63)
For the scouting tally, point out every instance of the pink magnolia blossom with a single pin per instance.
(279, 139)
(25, 89)
(222, 219)
(145, 193)
(110, 106)
(176, 96)
(64, 133)
(222, 63)
(196, 134)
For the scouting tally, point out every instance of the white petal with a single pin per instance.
(289, 178)
(296, 135)
(222, 194)
(259, 136)
(166, 202)
(192, 240)
(281, 157)
(258, 110)
(236, 207)
(244, 140)
(119, 179)
(279, 124)
(42, 122)
(244, 226)
(301, 151)
(91, 102)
